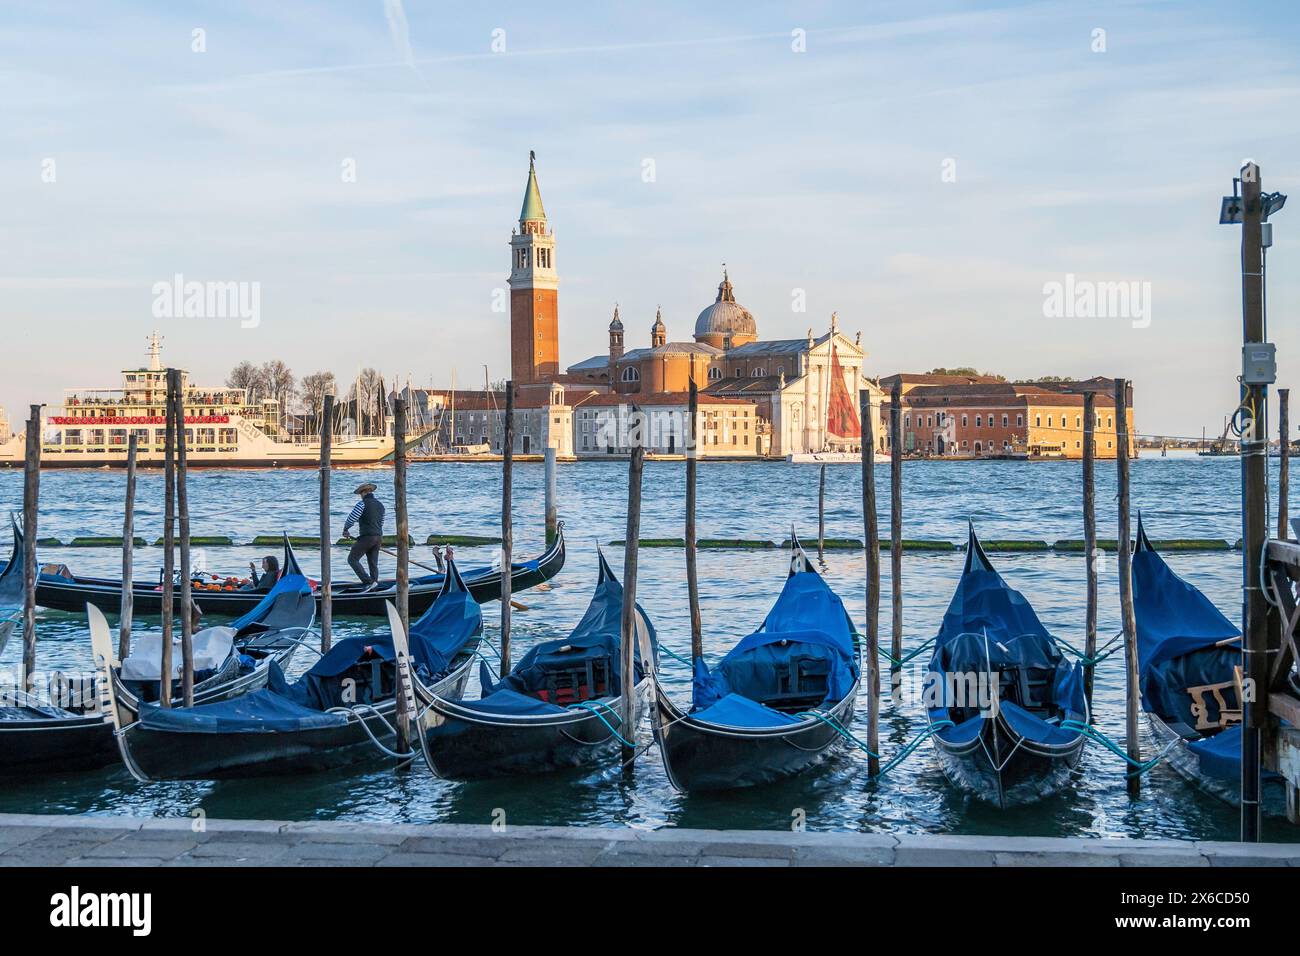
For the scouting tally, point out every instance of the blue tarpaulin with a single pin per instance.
(736, 711)
(991, 629)
(805, 642)
(444, 629)
(591, 649)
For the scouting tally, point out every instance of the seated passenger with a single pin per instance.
(262, 583)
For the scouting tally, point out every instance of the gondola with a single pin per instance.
(341, 711)
(558, 707)
(38, 735)
(11, 588)
(62, 590)
(1000, 695)
(1189, 675)
(773, 707)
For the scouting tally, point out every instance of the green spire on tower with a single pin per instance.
(532, 211)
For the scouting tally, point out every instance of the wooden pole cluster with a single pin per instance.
(896, 534)
(552, 511)
(1090, 538)
(403, 520)
(128, 552)
(507, 531)
(1284, 462)
(183, 514)
(821, 516)
(628, 645)
(169, 547)
(1254, 501)
(31, 503)
(872, 527)
(1131, 709)
(326, 537)
(692, 570)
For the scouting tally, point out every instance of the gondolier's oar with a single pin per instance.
(513, 603)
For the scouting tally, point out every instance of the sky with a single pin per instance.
(926, 171)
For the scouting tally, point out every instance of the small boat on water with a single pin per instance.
(1000, 693)
(558, 707)
(341, 711)
(776, 703)
(1190, 677)
(61, 589)
(234, 659)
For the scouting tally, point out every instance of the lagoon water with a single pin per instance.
(1181, 496)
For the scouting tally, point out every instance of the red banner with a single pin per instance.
(841, 416)
(102, 421)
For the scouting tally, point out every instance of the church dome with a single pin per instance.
(725, 318)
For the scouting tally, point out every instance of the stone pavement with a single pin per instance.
(31, 840)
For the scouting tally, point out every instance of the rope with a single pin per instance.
(674, 655)
(900, 661)
(353, 711)
(1098, 657)
(898, 758)
(593, 708)
(1139, 767)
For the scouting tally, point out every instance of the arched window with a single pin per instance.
(631, 374)
(780, 370)
(757, 372)
(715, 374)
(978, 447)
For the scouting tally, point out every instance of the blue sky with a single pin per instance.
(819, 171)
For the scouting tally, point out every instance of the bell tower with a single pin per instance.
(534, 326)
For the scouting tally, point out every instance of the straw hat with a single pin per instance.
(366, 488)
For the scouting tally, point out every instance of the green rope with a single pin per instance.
(898, 758)
(899, 661)
(584, 705)
(1096, 659)
(920, 738)
(674, 655)
(1092, 733)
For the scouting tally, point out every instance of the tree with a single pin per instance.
(364, 398)
(243, 375)
(314, 389)
(277, 382)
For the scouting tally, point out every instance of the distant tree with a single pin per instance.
(243, 375)
(967, 370)
(314, 388)
(364, 397)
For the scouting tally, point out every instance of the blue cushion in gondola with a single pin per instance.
(734, 710)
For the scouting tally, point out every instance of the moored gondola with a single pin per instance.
(341, 711)
(777, 702)
(11, 588)
(558, 708)
(1003, 703)
(1190, 677)
(63, 590)
(66, 735)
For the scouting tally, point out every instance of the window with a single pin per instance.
(1110, 422)
(631, 374)
(977, 447)
(780, 370)
(740, 373)
(757, 373)
(963, 443)
(1005, 421)
(907, 421)
(1020, 421)
(965, 420)
(1078, 421)
(1038, 421)
(715, 374)
(979, 420)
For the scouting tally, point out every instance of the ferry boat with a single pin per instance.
(224, 427)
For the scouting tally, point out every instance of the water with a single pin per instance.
(1179, 497)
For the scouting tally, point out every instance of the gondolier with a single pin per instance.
(368, 515)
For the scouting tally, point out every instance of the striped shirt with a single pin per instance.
(354, 515)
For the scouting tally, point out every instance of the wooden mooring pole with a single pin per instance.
(183, 514)
(896, 440)
(507, 531)
(326, 536)
(403, 558)
(1091, 554)
(628, 631)
(169, 547)
(31, 503)
(128, 552)
(1132, 705)
(403, 519)
(552, 510)
(692, 571)
(872, 527)
(1284, 461)
(821, 516)
(1254, 502)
